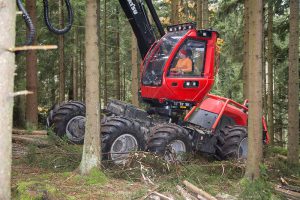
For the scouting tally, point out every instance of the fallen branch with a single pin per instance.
(185, 194)
(294, 181)
(198, 191)
(26, 132)
(163, 197)
(287, 193)
(27, 140)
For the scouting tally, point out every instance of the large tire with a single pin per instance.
(170, 141)
(52, 110)
(232, 143)
(119, 136)
(69, 120)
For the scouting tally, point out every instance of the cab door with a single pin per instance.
(191, 83)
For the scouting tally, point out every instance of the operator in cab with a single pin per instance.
(184, 63)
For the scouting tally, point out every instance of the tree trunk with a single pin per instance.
(270, 71)
(75, 65)
(61, 54)
(134, 71)
(246, 51)
(91, 149)
(255, 91)
(293, 93)
(205, 19)
(175, 14)
(105, 54)
(80, 72)
(199, 14)
(7, 65)
(31, 113)
(118, 79)
(99, 44)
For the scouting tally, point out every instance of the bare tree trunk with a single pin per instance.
(175, 14)
(124, 84)
(105, 53)
(246, 51)
(99, 44)
(80, 72)
(205, 18)
(61, 55)
(118, 79)
(199, 14)
(134, 71)
(91, 149)
(293, 94)
(31, 113)
(255, 91)
(75, 66)
(7, 65)
(270, 71)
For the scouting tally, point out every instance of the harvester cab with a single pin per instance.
(163, 83)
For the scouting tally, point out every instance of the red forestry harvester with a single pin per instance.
(214, 125)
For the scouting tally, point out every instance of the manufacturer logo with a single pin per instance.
(133, 7)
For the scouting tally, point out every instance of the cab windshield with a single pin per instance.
(156, 59)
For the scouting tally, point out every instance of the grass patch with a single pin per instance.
(259, 189)
(34, 190)
(59, 156)
(96, 176)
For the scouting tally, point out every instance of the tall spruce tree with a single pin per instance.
(91, 149)
(255, 91)
(293, 93)
(7, 65)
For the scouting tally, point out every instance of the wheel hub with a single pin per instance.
(175, 151)
(121, 148)
(243, 149)
(75, 128)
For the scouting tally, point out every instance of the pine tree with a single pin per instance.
(7, 65)
(31, 113)
(134, 72)
(255, 91)
(91, 149)
(61, 54)
(293, 93)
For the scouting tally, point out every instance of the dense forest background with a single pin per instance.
(34, 159)
(227, 17)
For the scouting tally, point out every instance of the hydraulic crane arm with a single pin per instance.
(139, 21)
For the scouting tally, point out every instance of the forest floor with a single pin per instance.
(46, 168)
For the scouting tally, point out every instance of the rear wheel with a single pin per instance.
(69, 120)
(120, 136)
(170, 141)
(232, 143)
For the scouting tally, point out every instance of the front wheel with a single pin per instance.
(170, 141)
(120, 136)
(232, 143)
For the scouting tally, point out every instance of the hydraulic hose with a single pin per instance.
(29, 24)
(49, 24)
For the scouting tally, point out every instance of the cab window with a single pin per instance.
(189, 59)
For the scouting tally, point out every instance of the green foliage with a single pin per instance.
(96, 176)
(34, 190)
(58, 156)
(257, 189)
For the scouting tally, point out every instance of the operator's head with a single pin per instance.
(183, 53)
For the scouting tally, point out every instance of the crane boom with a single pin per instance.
(137, 15)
